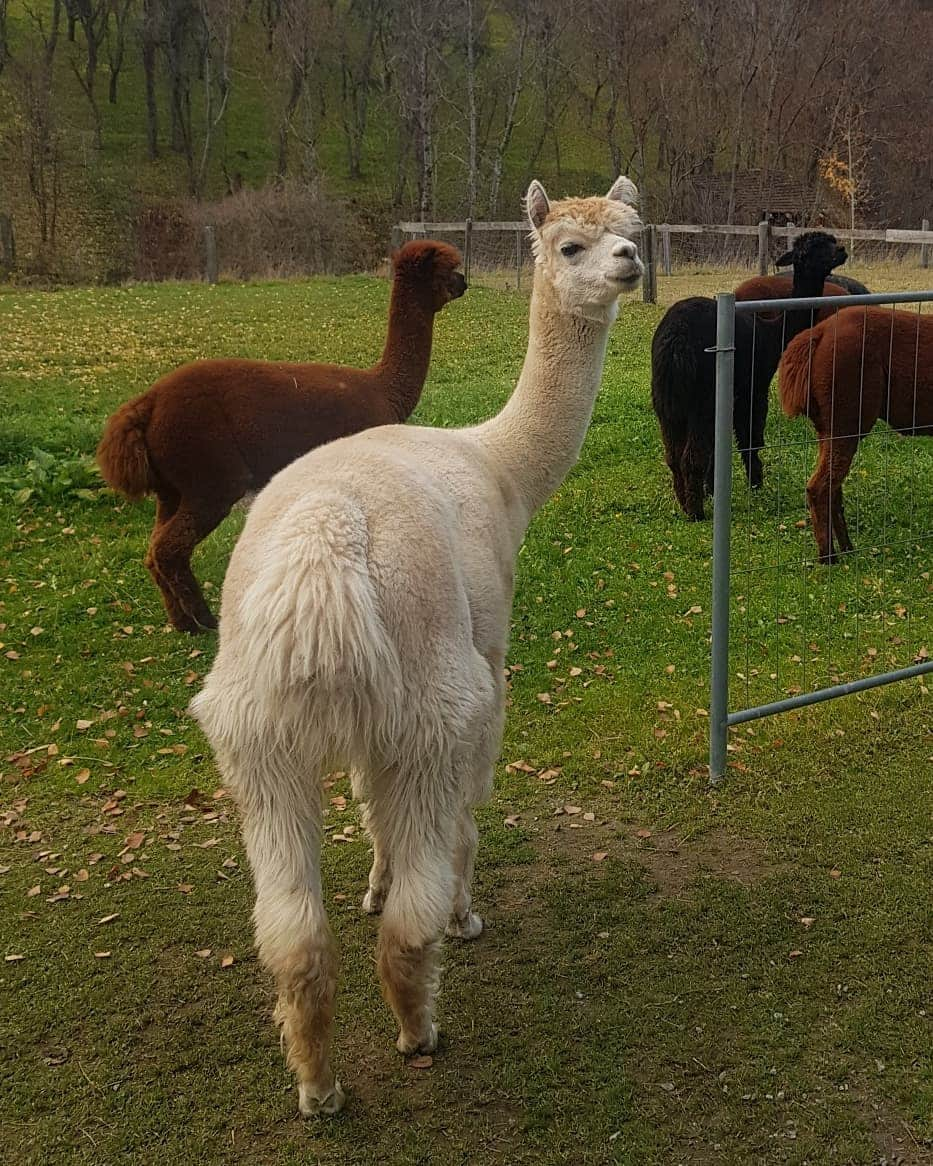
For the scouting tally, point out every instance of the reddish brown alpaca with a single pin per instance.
(881, 365)
(214, 430)
(781, 287)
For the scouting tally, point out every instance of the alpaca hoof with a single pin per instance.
(319, 1103)
(408, 1044)
(469, 927)
(373, 902)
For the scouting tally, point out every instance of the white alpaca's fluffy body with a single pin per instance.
(364, 626)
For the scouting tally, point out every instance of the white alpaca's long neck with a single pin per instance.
(537, 436)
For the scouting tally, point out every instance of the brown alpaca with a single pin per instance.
(862, 364)
(213, 431)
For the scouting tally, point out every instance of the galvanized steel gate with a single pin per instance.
(721, 718)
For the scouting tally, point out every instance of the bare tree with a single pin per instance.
(93, 17)
(360, 30)
(116, 43)
(217, 20)
(517, 71)
(298, 27)
(419, 36)
(35, 131)
(4, 42)
(149, 39)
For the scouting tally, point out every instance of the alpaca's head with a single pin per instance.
(429, 268)
(584, 247)
(814, 253)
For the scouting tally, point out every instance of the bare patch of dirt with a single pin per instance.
(673, 864)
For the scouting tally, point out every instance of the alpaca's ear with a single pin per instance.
(536, 204)
(786, 260)
(623, 190)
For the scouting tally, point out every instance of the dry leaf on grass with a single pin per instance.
(422, 1062)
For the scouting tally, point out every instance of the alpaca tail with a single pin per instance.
(122, 454)
(795, 372)
(674, 376)
(308, 655)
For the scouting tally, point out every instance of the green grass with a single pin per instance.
(742, 979)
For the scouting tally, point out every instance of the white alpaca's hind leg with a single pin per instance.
(416, 908)
(380, 874)
(478, 768)
(464, 923)
(282, 831)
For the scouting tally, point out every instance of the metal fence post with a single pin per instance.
(210, 254)
(764, 236)
(649, 282)
(924, 247)
(722, 528)
(666, 249)
(467, 248)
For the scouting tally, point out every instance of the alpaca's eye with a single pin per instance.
(569, 249)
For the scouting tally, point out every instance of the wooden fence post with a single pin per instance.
(7, 245)
(924, 247)
(666, 249)
(518, 260)
(210, 254)
(764, 238)
(649, 283)
(467, 248)
(396, 240)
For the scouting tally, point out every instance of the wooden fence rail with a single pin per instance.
(656, 241)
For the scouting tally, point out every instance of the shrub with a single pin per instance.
(292, 229)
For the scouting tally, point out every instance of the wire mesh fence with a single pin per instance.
(822, 581)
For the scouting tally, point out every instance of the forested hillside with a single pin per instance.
(124, 123)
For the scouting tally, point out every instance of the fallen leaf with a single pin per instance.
(835, 873)
(422, 1062)
(135, 840)
(203, 953)
(82, 775)
(598, 857)
(512, 820)
(109, 918)
(82, 725)
(12, 959)
(33, 891)
(226, 961)
(807, 920)
(185, 888)
(102, 955)
(794, 954)
(572, 810)
(643, 833)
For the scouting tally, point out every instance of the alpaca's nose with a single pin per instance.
(625, 249)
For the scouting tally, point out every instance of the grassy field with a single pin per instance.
(670, 974)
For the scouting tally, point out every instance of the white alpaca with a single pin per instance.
(364, 625)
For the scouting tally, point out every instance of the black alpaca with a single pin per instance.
(683, 373)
